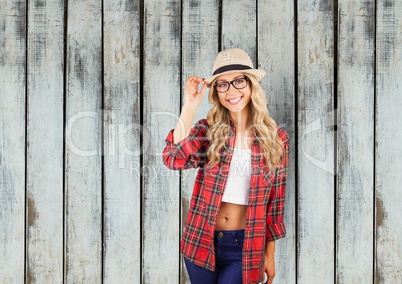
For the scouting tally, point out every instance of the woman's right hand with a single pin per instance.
(192, 99)
(192, 95)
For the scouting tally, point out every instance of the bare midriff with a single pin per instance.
(231, 217)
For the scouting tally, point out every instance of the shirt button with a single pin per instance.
(220, 234)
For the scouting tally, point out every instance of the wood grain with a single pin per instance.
(78, 204)
(199, 49)
(83, 166)
(316, 192)
(239, 28)
(12, 140)
(121, 135)
(388, 154)
(355, 141)
(276, 55)
(161, 190)
(44, 243)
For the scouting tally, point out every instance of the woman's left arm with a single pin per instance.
(275, 228)
(269, 265)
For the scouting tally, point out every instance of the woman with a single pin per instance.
(236, 210)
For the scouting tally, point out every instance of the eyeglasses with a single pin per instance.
(239, 83)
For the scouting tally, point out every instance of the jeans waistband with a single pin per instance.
(236, 234)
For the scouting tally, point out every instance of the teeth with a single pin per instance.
(234, 100)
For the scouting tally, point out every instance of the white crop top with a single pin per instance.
(238, 181)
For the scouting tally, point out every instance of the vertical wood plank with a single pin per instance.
(122, 131)
(388, 134)
(199, 49)
(316, 200)
(161, 202)
(276, 48)
(239, 29)
(355, 141)
(12, 140)
(45, 142)
(83, 181)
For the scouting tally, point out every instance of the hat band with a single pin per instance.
(231, 67)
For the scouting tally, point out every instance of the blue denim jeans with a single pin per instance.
(228, 253)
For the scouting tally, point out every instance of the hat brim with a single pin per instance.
(259, 74)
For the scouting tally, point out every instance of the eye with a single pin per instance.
(221, 85)
(239, 81)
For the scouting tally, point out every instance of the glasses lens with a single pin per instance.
(222, 87)
(240, 83)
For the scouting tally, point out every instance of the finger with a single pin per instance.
(270, 279)
(192, 83)
(191, 79)
(195, 81)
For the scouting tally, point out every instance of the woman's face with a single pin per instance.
(235, 100)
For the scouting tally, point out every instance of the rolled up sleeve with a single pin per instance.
(189, 152)
(275, 227)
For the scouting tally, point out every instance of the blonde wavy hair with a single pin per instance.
(263, 126)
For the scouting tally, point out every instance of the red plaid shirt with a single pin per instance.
(265, 209)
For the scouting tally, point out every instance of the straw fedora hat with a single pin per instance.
(233, 60)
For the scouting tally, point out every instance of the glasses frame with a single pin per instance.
(232, 83)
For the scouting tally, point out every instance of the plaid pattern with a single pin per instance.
(264, 217)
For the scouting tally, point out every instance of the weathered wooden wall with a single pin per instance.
(89, 90)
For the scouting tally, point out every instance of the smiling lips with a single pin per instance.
(234, 101)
